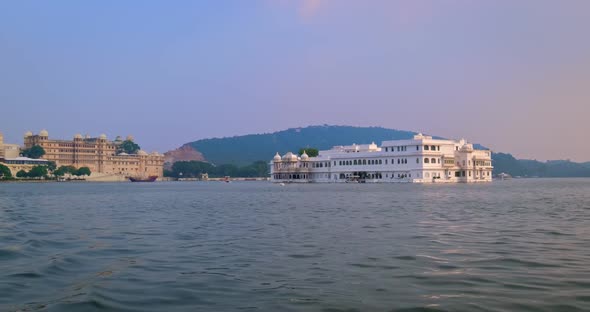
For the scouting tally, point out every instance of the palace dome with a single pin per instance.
(28, 134)
(142, 153)
(466, 147)
(277, 157)
(103, 136)
(44, 133)
(77, 136)
(304, 156)
(289, 157)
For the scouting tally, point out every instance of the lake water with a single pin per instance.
(518, 245)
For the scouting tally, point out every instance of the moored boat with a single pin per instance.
(143, 179)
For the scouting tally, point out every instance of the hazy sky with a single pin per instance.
(512, 75)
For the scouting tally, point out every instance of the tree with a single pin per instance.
(22, 174)
(83, 171)
(51, 166)
(34, 152)
(128, 147)
(310, 151)
(38, 171)
(62, 170)
(5, 172)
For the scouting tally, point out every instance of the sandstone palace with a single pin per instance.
(99, 154)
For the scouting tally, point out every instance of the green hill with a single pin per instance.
(242, 150)
(533, 168)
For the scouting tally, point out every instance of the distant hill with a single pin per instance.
(533, 168)
(242, 150)
(246, 149)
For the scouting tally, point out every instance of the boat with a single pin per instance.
(143, 179)
(226, 179)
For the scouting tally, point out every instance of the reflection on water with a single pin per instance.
(511, 245)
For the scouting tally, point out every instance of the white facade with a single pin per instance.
(418, 160)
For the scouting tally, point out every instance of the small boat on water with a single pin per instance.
(226, 179)
(143, 179)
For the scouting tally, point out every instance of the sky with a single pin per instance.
(511, 75)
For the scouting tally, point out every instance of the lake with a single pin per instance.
(515, 245)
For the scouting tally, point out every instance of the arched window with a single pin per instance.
(426, 161)
(425, 147)
(433, 161)
(354, 162)
(364, 161)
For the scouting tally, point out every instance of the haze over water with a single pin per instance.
(511, 245)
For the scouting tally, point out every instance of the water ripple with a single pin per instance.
(512, 245)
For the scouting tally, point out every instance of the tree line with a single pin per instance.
(194, 169)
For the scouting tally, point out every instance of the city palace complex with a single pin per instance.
(99, 154)
(421, 159)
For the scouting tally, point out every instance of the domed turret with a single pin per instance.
(304, 156)
(155, 153)
(103, 136)
(277, 157)
(466, 148)
(78, 136)
(130, 138)
(290, 157)
(44, 133)
(28, 134)
(142, 153)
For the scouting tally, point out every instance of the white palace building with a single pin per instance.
(418, 160)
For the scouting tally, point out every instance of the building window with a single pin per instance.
(417, 160)
(425, 147)
(417, 147)
(426, 161)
